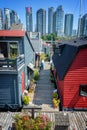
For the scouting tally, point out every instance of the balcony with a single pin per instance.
(11, 64)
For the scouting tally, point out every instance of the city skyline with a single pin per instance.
(67, 7)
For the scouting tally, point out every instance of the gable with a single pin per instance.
(63, 60)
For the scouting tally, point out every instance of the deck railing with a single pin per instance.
(11, 64)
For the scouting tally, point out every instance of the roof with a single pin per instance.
(65, 54)
(30, 42)
(12, 33)
(36, 43)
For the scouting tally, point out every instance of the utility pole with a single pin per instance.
(79, 22)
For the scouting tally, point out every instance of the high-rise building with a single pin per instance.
(54, 22)
(68, 27)
(41, 21)
(50, 20)
(1, 19)
(29, 20)
(59, 21)
(7, 18)
(14, 18)
(83, 26)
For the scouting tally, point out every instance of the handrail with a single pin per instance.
(12, 63)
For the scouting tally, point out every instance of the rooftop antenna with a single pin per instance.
(79, 23)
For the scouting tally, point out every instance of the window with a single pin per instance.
(83, 90)
(13, 50)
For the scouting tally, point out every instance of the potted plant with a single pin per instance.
(55, 102)
(55, 99)
(55, 95)
(42, 122)
(25, 122)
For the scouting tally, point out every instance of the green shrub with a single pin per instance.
(43, 56)
(55, 95)
(36, 74)
(26, 99)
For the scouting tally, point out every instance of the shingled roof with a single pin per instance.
(65, 54)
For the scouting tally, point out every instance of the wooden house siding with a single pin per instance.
(21, 85)
(76, 75)
(29, 57)
(8, 89)
(60, 86)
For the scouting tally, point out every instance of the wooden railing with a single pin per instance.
(11, 64)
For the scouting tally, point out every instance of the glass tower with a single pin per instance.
(41, 21)
(50, 20)
(68, 24)
(29, 21)
(14, 17)
(1, 19)
(7, 18)
(59, 21)
(83, 25)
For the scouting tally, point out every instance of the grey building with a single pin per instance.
(41, 21)
(29, 19)
(50, 20)
(1, 19)
(59, 21)
(68, 27)
(36, 41)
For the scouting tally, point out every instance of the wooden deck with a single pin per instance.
(75, 120)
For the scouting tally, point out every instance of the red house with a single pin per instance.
(70, 71)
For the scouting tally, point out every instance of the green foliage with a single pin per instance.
(25, 122)
(52, 77)
(55, 100)
(26, 99)
(55, 95)
(50, 37)
(33, 80)
(42, 122)
(43, 57)
(36, 74)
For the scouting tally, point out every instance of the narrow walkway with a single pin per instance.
(44, 89)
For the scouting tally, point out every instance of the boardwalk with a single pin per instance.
(44, 90)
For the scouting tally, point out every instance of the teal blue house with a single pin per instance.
(17, 60)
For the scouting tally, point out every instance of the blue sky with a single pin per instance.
(69, 6)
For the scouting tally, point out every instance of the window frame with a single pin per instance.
(83, 93)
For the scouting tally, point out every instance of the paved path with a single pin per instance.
(44, 90)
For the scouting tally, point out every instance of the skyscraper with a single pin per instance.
(41, 21)
(1, 19)
(7, 18)
(50, 19)
(68, 27)
(83, 26)
(29, 20)
(14, 18)
(59, 21)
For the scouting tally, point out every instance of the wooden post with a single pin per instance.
(33, 108)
